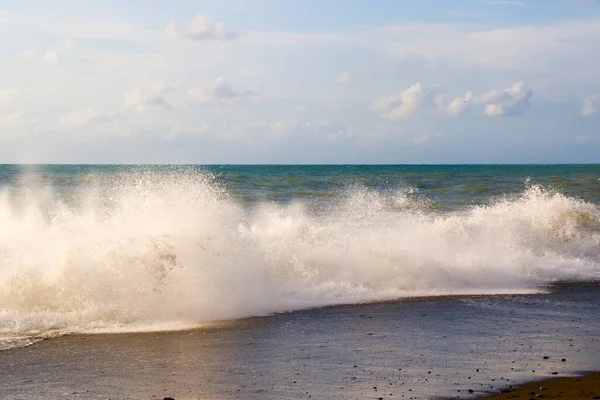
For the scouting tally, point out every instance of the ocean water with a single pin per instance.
(87, 249)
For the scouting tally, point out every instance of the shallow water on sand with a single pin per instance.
(415, 348)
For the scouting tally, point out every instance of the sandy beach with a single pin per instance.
(425, 348)
(583, 387)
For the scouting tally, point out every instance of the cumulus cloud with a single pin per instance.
(152, 99)
(513, 100)
(340, 135)
(201, 28)
(16, 118)
(283, 126)
(58, 52)
(87, 116)
(351, 75)
(51, 56)
(591, 106)
(162, 87)
(219, 91)
(407, 103)
(459, 105)
(344, 77)
(142, 102)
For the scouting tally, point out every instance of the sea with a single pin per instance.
(395, 277)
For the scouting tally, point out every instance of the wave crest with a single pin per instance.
(153, 250)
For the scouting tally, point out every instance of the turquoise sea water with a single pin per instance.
(445, 185)
(89, 248)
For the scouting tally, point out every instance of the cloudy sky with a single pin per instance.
(300, 81)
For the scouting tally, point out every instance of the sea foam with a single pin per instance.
(170, 250)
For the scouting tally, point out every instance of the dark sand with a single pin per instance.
(584, 387)
(418, 348)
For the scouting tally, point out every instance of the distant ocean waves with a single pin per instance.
(166, 250)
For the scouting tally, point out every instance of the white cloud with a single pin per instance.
(219, 91)
(459, 105)
(136, 100)
(344, 77)
(58, 52)
(340, 134)
(87, 116)
(203, 27)
(161, 87)
(16, 118)
(591, 106)
(352, 75)
(141, 101)
(51, 56)
(407, 103)
(283, 126)
(513, 100)
(268, 66)
(6, 94)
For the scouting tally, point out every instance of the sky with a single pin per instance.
(300, 81)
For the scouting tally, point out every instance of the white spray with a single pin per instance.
(157, 250)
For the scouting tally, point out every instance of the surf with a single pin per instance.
(162, 250)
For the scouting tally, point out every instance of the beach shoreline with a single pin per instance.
(580, 386)
(426, 348)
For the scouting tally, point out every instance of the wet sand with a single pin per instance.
(583, 387)
(426, 348)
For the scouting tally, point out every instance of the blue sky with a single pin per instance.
(291, 81)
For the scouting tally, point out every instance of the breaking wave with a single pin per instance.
(151, 250)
